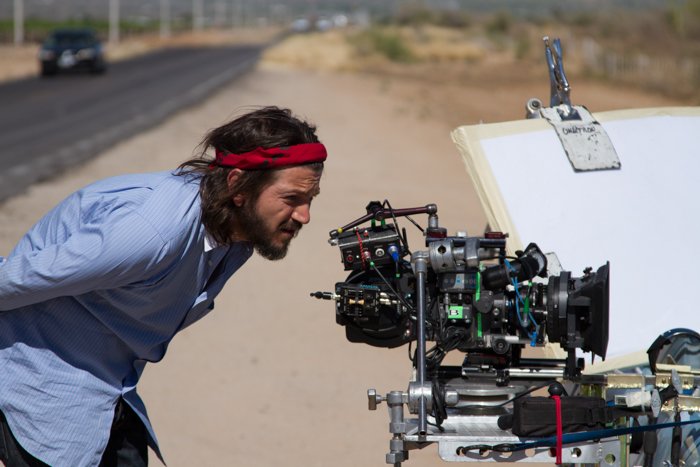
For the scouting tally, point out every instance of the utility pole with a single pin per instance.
(265, 15)
(237, 13)
(197, 15)
(113, 21)
(19, 21)
(164, 19)
(220, 13)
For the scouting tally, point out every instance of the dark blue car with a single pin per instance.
(67, 49)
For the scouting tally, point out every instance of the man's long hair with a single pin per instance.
(266, 127)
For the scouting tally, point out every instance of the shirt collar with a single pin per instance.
(209, 242)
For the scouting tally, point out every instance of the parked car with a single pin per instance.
(67, 49)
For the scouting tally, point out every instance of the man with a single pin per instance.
(101, 284)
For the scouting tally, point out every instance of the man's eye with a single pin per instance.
(299, 199)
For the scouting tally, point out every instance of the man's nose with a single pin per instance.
(302, 213)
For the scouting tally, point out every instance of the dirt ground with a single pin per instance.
(268, 379)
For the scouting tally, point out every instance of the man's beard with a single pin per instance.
(253, 228)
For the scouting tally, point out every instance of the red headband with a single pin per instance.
(270, 158)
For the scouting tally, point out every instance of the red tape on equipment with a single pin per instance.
(560, 430)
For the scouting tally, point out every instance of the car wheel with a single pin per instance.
(48, 71)
(98, 68)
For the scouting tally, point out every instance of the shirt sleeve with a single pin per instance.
(112, 251)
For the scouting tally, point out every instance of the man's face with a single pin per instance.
(271, 221)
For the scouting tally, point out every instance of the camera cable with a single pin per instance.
(396, 226)
(388, 284)
(519, 300)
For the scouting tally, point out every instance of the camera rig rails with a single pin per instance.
(466, 294)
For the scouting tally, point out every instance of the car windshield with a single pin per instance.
(70, 39)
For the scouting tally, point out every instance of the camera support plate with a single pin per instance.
(484, 430)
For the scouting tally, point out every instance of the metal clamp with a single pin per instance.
(559, 85)
(584, 140)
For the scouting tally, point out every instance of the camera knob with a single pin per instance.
(556, 389)
(485, 302)
(500, 346)
(373, 399)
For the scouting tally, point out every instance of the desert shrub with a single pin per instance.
(523, 46)
(382, 41)
(416, 16)
(454, 19)
(500, 23)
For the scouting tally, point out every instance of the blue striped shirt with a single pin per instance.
(97, 288)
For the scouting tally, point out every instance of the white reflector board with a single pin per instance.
(644, 217)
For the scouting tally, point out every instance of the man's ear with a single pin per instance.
(232, 180)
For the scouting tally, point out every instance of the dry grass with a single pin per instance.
(328, 51)
(437, 54)
(459, 78)
(436, 44)
(358, 50)
(17, 61)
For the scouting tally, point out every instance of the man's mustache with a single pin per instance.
(291, 224)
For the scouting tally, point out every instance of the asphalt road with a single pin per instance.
(48, 124)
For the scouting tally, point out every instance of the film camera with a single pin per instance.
(466, 294)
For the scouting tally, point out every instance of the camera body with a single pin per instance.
(478, 300)
(463, 294)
